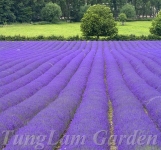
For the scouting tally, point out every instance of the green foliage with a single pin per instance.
(98, 21)
(122, 17)
(37, 6)
(25, 13)
(129, 10)
(83, 10)
(156, 25)
(6, 15)
(51, 12)
(30, 10)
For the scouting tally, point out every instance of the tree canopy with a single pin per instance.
(98, 21)
(51, 12)
(129, 10)
(30, 10)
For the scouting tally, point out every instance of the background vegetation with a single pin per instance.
(30, 10)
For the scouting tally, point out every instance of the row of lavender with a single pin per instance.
(27, 100)
(128, 91)
(66, 87)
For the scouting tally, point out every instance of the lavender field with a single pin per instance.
(80, 95)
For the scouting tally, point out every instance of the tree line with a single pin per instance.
(30, 10)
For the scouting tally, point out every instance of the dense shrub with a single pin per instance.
(79, 38)
(156, 25)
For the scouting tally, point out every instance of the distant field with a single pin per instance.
(69, 29)
(137, 28)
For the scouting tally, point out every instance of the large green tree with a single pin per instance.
(98, 21)
(51, 12)
(129, 10)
